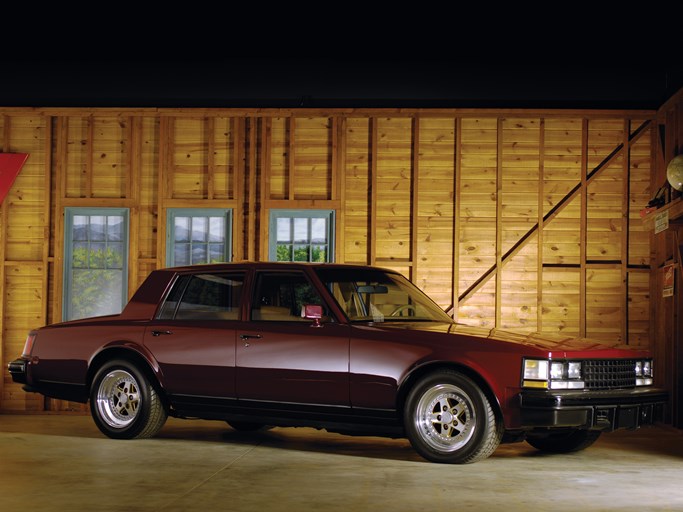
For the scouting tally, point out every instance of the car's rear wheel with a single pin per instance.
(124, 404)
(449, 419)
(564, 442)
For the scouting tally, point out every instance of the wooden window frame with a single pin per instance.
(295, 213)
(69, 214)
(172, 213)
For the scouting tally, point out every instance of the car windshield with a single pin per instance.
(371, 295)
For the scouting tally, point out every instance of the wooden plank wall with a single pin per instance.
(523, 220)
(667, 249)
(24, 227)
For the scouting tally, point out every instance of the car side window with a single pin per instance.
(281, 297)
(204, 297)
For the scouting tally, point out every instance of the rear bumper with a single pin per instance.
(605, 410)
(17, 370)
(20, 370)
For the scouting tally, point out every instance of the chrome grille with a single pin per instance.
(609, 373)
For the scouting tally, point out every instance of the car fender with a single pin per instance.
(128, 350)
(491, 386)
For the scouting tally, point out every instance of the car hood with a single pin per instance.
(546, 342)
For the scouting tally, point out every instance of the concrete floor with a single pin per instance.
(60, 463)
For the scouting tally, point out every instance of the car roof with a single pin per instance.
(280, 265)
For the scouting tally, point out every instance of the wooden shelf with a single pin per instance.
(675, 209)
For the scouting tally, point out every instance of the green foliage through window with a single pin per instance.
(96, 264)
(301, 235)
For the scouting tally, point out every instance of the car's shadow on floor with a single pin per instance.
(301, 439)
(658, 440)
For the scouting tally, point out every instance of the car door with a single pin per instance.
(193, 337)
(282, 357)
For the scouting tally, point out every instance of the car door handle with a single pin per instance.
(159, 333)
(245, 337)
(250, 336)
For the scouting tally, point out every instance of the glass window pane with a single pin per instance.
(79, 230)
(169, 307)
(211, 297)
(301, 235)
(206, 233)
(216, 253)
(284, 229)
(97, 244)
(181, 254)
(301, 253)
(284, 253)
(181, 229)
(319, 253)
(95, 293)
(79, 258)
(216, 229)
(282, 297)
(114, 256)
(97, 251)
(114, 228)
(318, 231)
(198, 254)
(96, 227)
(301, 230)
(200, 229)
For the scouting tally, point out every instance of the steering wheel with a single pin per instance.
(401, 309)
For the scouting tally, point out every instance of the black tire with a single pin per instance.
(449, 419)
(564, 442)
(123, 402)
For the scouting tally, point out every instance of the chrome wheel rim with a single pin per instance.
(118, 399)
(445, 418)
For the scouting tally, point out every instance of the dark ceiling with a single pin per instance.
(330, 83)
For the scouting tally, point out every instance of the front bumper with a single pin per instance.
(17, 370)
(605, 410)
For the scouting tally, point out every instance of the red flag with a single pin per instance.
(10, 165)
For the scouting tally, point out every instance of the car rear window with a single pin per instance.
(204, 297)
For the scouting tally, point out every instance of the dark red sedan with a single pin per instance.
(351, 349)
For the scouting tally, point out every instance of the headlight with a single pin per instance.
(556, 370)
(644, 375)
(547, 374)
(574, 370)
(535, 373)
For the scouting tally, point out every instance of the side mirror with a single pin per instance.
(313, 312)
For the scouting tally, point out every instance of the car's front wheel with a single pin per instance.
(449, 419)
(564, 442)
(124, 404)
